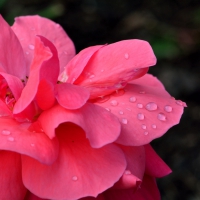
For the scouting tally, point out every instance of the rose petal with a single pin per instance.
(155, 166)
(71, 96)
(145, 112)
(30, 196)
(100, 126)
(11, 185)
(112, 66)
(15, 137)
(44, 66)
(12, 59)
(89, 171)
(26, 28)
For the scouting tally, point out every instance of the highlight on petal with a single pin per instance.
(11, 185)
(27, 27)
(100, 126)
(12, 59)
(114, 65)
(71, 96)
(45, 66)
(145, 111)
(79, 171)
(15, 137)
(155, 166)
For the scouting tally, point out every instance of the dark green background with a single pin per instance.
(173, 29)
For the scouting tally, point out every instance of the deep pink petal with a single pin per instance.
(11, 185)
(148, 191)
(79, 170)
(155, 166)
(45, 95)
(112, 66)
(75, 67)
(30, 196)
(71, 96)
(45, 66)
(132, 177)
(27, 27)
(4, 110)
(12, 59)
(99, 197)
(146, 112)
(100, 126)
(15, 137)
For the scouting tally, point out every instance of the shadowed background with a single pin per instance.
(173, 29)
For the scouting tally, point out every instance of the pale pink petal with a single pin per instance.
(112, 66)
(15, 137)
(145, 112)
(11, 185)
(71, 96)
(100, 126)
(79, 170)
(44, 66)
(148, 191)
(27, 27)
(12, 59)
(75, 67)
(132, 177)
(155, 166)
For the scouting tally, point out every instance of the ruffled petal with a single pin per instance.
(79, 170)
(145, 111)
(114, 65)
(100, 126)
(155, 166)
(11, 185)
(45, 66)
(12, 59)
(71, 96)
(15, 137)
(27, 27)
(132, 177)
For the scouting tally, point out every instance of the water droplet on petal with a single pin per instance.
(92, 76)
(126, 56)
(153, 126)
(102, 70)
(129, 109)
(108, 109)
(32, 144)
(11, 139)
(124, 121)
(113, 103)
(27, 52)
(144, 126)
(151, 106)
(140, 116)
(74, 178)
(118, 93)
(31, 46)
(161, 117)
(142, 92)
(121, 112)
(168, 108)
(5, 132)
(127, 172)
(132, 99)
(146, 133)
(139, 105)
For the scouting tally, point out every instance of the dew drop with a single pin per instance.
(132, 99)
(108, 109)
(126, 56)
(142, 92)
(161, 117)
(31, 46)
(5, 132)
(139, 105)
(118, 93)
(113, 103)
(129, 109)
(32, 144)
(92, 76)
(146, 133)
(168, 108)
(153, 126)
(121, 112)
(144, 126)
(11, 139)
(102, 70)
(124, 121)
(151, 106)
(127, 172)
(27, 52)
(140, 116)
(74, 178)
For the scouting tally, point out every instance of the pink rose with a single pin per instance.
(78, 127)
